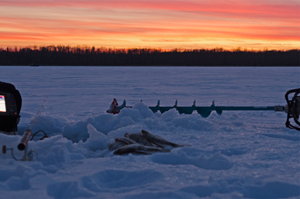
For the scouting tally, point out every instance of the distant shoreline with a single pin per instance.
(147, 57)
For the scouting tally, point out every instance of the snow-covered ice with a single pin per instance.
(235, 155)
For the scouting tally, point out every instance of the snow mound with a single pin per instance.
(96, 140)
(182, 157)
(240, 154)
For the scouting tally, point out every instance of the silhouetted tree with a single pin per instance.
(85, 56)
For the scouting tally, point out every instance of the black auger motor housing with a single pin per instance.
(10, 107)
(293, 108)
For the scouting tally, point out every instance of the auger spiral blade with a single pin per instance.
(204, 111)
(186, 109)
(292, 108)
(154, 109)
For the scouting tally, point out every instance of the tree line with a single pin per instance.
(91, 56)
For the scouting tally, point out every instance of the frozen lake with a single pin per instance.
(95, 87)
(235, 155)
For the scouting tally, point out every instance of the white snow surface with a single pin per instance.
(246, 154)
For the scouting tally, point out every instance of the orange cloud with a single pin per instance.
(162, 24)
(286, 9)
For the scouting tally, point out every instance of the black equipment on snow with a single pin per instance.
(10, 107)
(293, 108)
(9, 110)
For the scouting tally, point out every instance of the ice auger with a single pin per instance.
(292, 108)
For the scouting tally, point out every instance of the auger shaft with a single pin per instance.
(204, 111)
(292, 108)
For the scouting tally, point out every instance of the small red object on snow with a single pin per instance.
(113, 107)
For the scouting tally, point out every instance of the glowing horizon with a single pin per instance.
(162, 24)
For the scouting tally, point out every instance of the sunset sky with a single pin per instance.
(166, 24)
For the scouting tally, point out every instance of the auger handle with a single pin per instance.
(293, 108)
